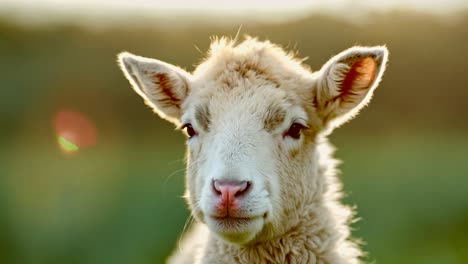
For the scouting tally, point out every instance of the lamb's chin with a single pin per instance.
(236, 230)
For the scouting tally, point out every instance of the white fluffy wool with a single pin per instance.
(306, 223)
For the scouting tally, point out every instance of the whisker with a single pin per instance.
(179, 170)
(172, 174)
(176, 160)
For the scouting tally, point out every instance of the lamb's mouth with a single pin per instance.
(235, 224)
(238, 230)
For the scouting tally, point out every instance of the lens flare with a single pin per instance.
(67, 145)
(73, 131)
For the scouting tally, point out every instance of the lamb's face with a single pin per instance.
(241, 139)
(252, 115)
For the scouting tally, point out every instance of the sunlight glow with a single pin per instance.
(94, 13)
(230, 6)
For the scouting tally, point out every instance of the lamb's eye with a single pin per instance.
(295, 130)
(189, 129)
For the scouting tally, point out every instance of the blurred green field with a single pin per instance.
(120, 202)
(405, 156)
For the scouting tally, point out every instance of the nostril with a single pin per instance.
(230, 188)
(217, 187)
(243, 188)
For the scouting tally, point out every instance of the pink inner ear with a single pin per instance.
(167, 95)
(360, 76)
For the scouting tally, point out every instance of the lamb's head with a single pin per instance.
(253, 116)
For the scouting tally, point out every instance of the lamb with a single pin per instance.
(260, 181)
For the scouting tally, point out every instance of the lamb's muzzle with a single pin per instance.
(227, 202)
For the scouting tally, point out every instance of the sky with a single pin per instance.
(45, 10)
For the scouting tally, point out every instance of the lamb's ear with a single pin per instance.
(347, 81)
(163, 86)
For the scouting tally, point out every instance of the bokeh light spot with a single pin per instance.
(74, 131)
(66, 145)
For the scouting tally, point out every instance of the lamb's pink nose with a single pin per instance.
(227, 193)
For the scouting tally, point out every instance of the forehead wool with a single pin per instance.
(259, 75)
(228, 62)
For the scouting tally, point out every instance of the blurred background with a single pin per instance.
(88, 174)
